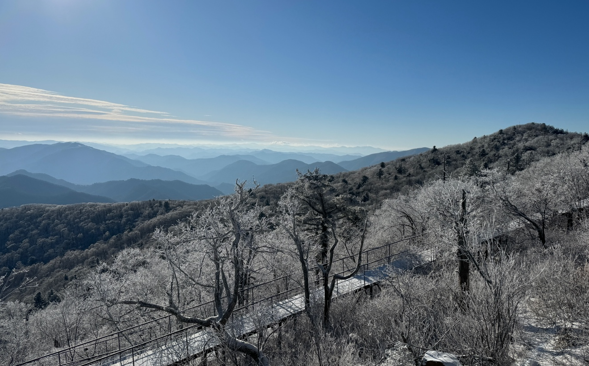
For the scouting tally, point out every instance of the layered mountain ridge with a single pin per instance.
(101, 176)
(33, 236)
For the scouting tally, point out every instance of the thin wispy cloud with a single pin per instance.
(39, 104)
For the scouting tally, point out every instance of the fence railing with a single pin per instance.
(127, 344)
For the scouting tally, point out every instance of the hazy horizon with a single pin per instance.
(220, 147)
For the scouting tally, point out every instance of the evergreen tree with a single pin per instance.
(39, 301)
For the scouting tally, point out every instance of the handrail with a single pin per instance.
(167, 335)
(152, 321)
(117, 334)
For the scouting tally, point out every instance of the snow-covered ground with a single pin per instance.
(543, 344)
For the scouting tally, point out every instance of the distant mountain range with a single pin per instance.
(275, 157)
(267, 166)
(20, 190)
(46, 178)
(72, 172)
(191, 152)
(201, 167)
(120, 191)
(285, 171)
(81, 164)
(143, 190)
(195, 167)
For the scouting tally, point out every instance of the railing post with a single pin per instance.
(170, 340)
(119, 342)
(366, 269)
(187, 351)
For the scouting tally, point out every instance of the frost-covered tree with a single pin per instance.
(17, 342)
(68, 322)
(322, 225)
(547, 189)
(459, 215)
(209, 258)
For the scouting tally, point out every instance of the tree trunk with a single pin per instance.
(463, 270)
(326, 301)
(463, 260)
(247, 348)
(542, 235)
(321, 257)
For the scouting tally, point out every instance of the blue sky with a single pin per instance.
(389, 74)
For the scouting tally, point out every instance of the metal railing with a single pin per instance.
(127, 344)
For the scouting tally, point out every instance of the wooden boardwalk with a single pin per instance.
(159, 342)
(185, 345)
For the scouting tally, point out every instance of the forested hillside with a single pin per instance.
(377, 158)
(50, 241)
(502, 217)
(511, 149)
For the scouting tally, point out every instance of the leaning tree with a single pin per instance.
(209, 257)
